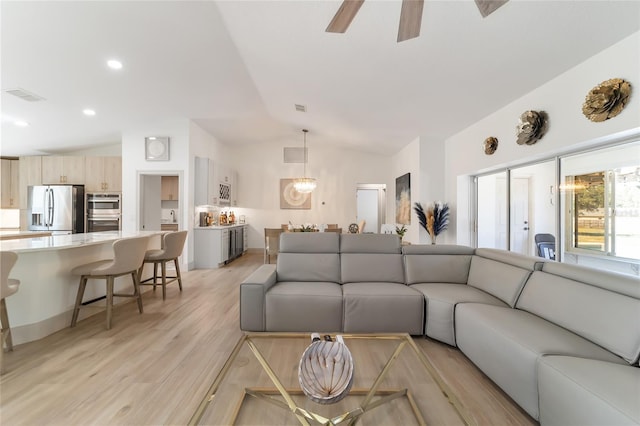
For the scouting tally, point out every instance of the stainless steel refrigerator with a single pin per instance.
(56, 208)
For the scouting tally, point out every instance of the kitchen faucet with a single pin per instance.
(173, 216)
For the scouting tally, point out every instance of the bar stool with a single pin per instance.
(172, 245)
(128, 255)
(8, 286)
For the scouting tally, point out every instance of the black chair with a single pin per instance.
(546, 244)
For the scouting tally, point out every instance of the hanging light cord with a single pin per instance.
(304, 167)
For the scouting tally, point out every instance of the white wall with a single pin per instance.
(338, 171)
(569, 130)
(425, 161)
(406, 161)
(134, 164)
(562, 99)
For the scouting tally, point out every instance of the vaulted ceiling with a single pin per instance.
(239, 67)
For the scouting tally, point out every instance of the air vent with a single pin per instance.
(25, 95)
(301, 108)
(294, 155)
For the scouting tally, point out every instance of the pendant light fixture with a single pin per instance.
(305, 185)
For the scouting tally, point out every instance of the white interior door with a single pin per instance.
(491, 214)
(520, 226)
(367, 209)
(150, 205)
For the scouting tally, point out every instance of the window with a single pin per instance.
(601, 196)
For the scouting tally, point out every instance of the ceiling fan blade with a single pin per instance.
(487, 7)
(344, 16)
(410, 19)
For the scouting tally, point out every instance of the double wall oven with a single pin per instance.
(104, 212)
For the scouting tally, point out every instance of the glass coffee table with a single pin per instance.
(394, 383)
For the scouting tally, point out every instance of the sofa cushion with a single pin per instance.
(440, 302)
(500, 273)
(309, 242)
(505, 344)
(308, 267)
(358, 267)
(304, 306)
(432, 249)
(602, 316)
(579, 391)
(370, 243)
(376, 307)
(437, 268)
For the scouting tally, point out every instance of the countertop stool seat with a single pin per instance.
(127, 260)
(172, 246)
(8, 287)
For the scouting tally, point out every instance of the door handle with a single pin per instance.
(526, 228)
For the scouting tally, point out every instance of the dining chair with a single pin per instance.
(170, 251)
(271, 243)
(128, 254)
(336, 230)
(8, 286)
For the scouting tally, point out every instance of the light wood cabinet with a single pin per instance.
(9, 191)
(63, 169)
(168, 226)
(103, 174)
(169, 188)
(30, 174)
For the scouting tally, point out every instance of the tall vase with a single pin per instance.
(433, 239)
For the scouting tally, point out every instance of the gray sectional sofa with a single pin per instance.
(562, 340)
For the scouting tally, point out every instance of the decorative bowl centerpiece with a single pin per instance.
(325, 372)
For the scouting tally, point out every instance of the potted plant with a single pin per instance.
(401, 231)
(435, 219)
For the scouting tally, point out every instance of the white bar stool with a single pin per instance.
(8, 286)
(128, 256)
(172, 246)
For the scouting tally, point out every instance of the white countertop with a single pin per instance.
(12, 234)
(215, 227)
(56, 242)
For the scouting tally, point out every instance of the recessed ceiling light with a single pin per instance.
(152, 138)
(89, 112)
(21, 123)
(114, 64)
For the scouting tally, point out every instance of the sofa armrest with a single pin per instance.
(252, 296)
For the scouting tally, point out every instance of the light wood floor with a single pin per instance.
(154, 368)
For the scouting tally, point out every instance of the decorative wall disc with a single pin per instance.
(606, 100)
(490, 145)
(532, 127)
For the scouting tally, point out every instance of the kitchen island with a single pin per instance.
(46, 297)
(17, 234)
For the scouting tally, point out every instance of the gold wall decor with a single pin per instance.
(490, 145)
(606, 100)
(531, 127)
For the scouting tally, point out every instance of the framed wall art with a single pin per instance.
(403, 199)
(156, 148)
(292, 199)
